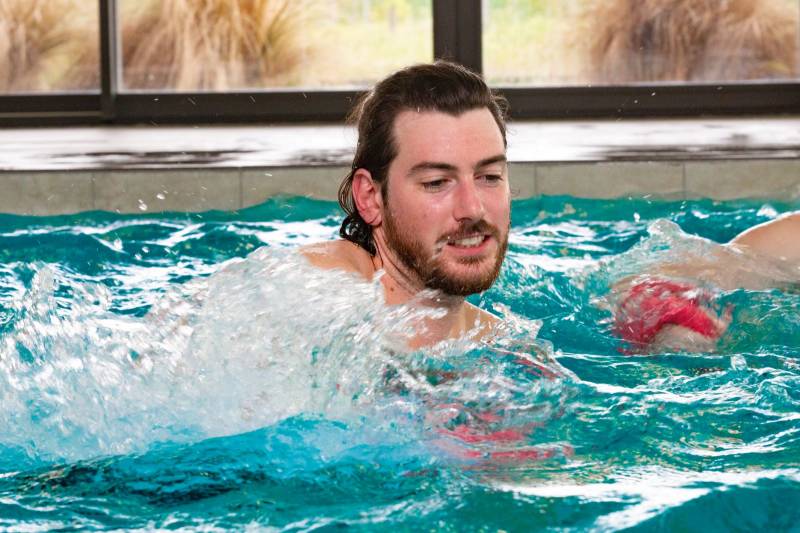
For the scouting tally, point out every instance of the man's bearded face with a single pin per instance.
(456, 276)
(446, 207)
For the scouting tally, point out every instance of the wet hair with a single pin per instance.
(441, 86)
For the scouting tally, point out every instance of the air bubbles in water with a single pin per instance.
(767, 211)
(738, 362)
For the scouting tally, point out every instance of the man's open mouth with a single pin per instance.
(473, 241)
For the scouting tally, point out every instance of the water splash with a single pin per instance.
(263, 339)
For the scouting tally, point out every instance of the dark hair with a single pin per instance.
(441, 86)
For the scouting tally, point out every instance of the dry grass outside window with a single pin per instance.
(210, 44)
(691, 40)
(219, 45)
(47, 44)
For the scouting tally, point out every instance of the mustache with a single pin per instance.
(468, 229)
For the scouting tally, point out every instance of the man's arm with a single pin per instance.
(779, 238)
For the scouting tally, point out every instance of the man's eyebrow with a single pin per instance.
(432, 165)
(499, 158)
(447, 167)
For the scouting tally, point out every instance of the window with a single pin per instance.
(223, 45)
(49, 46)
(140, 61)
(617, 42)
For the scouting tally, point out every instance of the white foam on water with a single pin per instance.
(649, 491)
(262, 339)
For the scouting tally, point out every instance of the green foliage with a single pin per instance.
(520, 7)
(388, 11)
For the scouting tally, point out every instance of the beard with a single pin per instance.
(434, 272)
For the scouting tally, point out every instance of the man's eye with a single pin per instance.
(433, 185)
(491, 178)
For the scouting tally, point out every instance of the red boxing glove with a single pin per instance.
(653, 304)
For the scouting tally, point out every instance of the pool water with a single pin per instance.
(185, 371)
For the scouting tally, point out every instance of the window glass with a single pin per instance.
(606, 42)
(49, 46)
(219, 45)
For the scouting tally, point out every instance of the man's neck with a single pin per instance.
(401, 287)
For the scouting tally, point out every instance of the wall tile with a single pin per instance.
(316, 182)
(611, 179)
(137, 191)
(45, 193)
(523, 180)
(726, 180)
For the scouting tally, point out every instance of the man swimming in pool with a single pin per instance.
(671, 307)
(427, 199)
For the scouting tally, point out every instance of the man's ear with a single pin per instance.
(367, 196)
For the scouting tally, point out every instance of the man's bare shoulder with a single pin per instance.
(484, 321)
(341, 255)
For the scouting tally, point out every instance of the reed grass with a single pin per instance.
(47, 44)
(210, 45)
(219, 45)
(690, 40)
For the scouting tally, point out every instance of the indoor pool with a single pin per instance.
(191, 371)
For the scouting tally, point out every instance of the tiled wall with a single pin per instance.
(131, 191)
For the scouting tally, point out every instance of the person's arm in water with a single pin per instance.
(662, 311)
(777, 239)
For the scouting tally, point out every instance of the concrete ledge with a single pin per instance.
(191, 190)
(134, 191)
(45, 193)
(727, 180)
(611, 180)
(194, 168)
(259, 184)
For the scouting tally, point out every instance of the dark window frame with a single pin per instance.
(457, 36)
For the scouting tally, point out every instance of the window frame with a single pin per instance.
(457, 36)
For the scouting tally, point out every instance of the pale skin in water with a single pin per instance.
(761, 257)
(447, 206)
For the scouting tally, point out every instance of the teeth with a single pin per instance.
(468, 242)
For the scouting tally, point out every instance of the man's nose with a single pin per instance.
(469, 203)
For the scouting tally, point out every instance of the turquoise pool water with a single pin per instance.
(189, 371)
